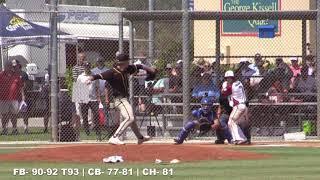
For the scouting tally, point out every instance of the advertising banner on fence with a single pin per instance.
(248, 27)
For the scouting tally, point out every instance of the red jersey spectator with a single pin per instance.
(10, 91)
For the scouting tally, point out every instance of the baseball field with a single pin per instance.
(197, 161)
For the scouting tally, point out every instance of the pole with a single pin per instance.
(151, 33)
(2, 57)
(54, 71)
(304, 40)
(131, 55)
(120, 33)
(88, 3)
(218, 53)
(186, 59)
(318, 66)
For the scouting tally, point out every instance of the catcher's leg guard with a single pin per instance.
(185, 132)
(245, 127)
(225, 133)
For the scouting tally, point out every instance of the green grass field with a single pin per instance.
(287, 163)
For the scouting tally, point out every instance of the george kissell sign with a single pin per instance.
(248, 27)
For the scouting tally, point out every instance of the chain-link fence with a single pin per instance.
(278, 73)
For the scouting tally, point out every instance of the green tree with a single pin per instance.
(2, 1)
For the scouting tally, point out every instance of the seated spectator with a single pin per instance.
(284, 73)
(281, 73)
(311, 65)
(274, 93)
(305, 84)
(295, 68)
(259, 69)
(206, 69)
(257, 63)
(207, 87)
(246, 72)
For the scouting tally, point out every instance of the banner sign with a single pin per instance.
(248, 27)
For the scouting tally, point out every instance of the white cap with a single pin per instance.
(244, 60)
(294, 59)
(229, 74)
(168, 66)
(179, 61)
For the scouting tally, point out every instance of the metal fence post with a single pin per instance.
(304, 40)
(54, 72)
(186, 59)
(131, 55)
(218, 53)
(318, 66)
(120, 33)
(151, 33)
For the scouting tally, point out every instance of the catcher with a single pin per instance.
(205, 119)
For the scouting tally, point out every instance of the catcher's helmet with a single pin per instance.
(206, 104)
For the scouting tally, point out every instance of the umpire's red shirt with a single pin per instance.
(10, 86)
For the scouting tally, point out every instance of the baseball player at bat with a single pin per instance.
(118, 77)
(234, 89)
(205, 117)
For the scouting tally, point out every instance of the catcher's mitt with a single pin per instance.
(204, 125)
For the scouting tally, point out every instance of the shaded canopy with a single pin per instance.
(16, 30)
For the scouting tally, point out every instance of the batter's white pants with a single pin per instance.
(128, 119)
(239, 112)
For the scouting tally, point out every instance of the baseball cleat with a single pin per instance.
(242, 143)
(177, 141)
(144, 139)
(115, 141)
(218, 141)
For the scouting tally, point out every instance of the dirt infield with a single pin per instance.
(94, 153)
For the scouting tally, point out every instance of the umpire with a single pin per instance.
(118, 77)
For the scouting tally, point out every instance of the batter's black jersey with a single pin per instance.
(118, 80)
(224, 104)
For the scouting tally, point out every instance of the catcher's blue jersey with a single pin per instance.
(199, 113)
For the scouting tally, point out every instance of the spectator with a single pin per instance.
(100, 68)
(162, 85)
(246, 74)
(76, 71)
(311, 65)
(102, 83)
(175, 81)
(11, 90)
(256, 66)
(79, 69)
(206, 88)
(175, 85)
(246, 71)
(275, 92)
(141, 76)
(207, 68)
(283, 73)
(305, 84)
(24, 77)
(295, 68)
(94, 99)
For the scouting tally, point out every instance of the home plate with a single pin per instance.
(273, 145)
